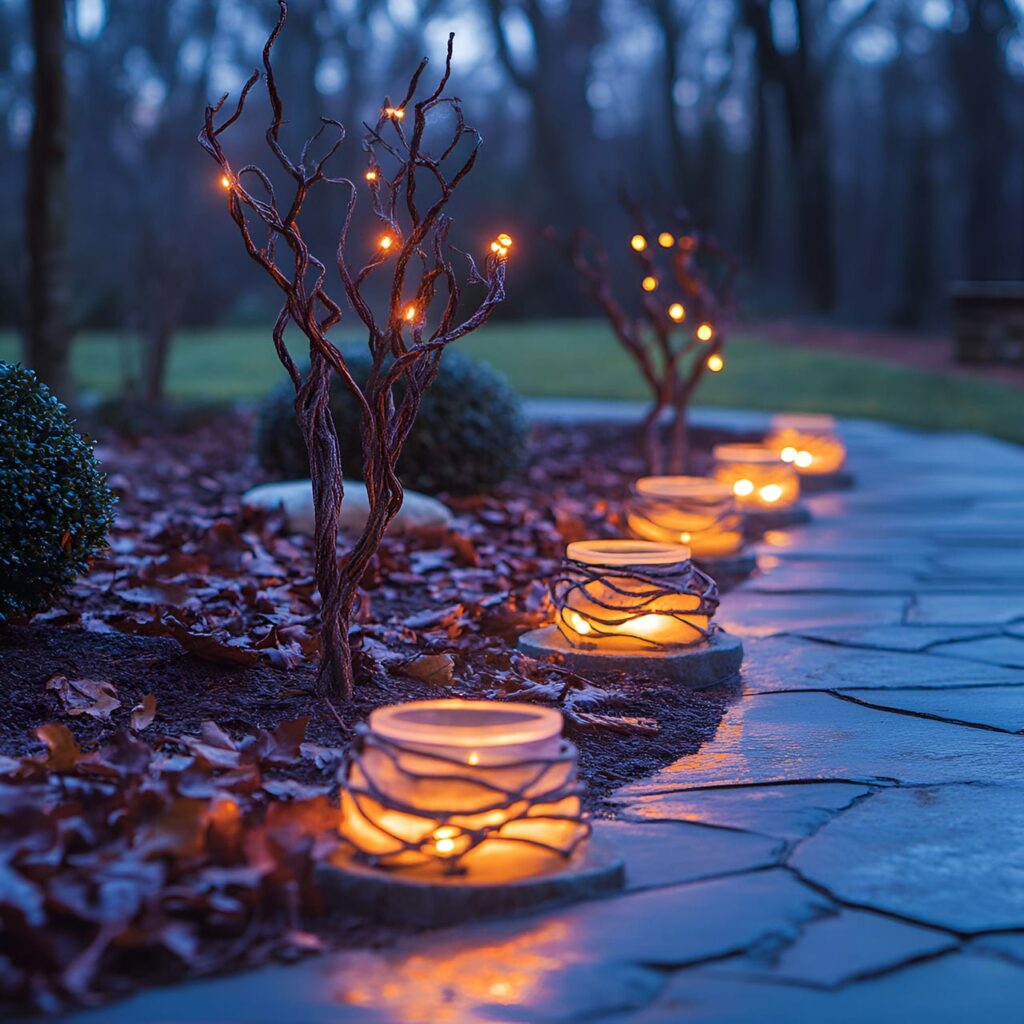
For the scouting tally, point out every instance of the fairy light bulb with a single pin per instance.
(649, 284)
(501, 245)
(386, 241)
(715, 363)
(225, 181)
(444, 838)
(743, 488)
(638, 243)
(371, 174)
(395, 113)
(705, 332)
(410, 313)
(788, 454)
(677, 311)
(666, 240)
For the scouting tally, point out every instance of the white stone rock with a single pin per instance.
(419, 513)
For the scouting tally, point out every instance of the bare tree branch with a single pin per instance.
(414, 247)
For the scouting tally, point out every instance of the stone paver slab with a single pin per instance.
(833, 950)
(815, 736)
(968, 608)
(944, 855)
(669, 854)
(895, 638)
(996, 650)
(787, 663)
(1010, 946)
(831, 543)
(584, 962)
(793, 577)
(1000, 707)
(747, 613)
(951, 989)
(788, 812)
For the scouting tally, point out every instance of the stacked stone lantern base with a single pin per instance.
(427, 898)
(710, 663)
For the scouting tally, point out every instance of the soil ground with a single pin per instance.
(179, 510)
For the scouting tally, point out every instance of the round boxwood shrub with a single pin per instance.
(55, 508)
(470, 434)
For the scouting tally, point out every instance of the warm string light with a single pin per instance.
(386, 241)
(649, 283)
(665, 240)
(225, 181)
(410, 313)
(371, 174)
(501, 245)
(715, 362)
(638, 243)
(395, 113)
(677, 311)
(798, 457)
(705, 332)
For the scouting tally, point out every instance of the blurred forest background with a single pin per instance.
(857, 154)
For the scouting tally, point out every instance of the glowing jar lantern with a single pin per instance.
(629, 595)
(482, 788)
(692, 510)
(757, 475)
(809, 442)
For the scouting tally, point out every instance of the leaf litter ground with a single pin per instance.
(166, 773)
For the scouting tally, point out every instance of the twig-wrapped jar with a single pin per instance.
(696, 511)
(809, 442)
(757, 475)
(628, 595)
(484, 788)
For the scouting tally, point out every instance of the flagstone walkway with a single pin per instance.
(848, 848)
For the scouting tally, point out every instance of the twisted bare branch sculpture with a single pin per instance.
(694, 288)
(406, 354)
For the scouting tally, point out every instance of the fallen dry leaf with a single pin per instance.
(91, 697)
(435, 669)
(144, 712)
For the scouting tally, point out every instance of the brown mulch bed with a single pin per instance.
(166, 773)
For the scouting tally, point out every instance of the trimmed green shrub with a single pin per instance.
(470, 434)
(55, 507)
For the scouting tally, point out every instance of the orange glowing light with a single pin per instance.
(677, 311)
(705, 332)
(743, 487)
(578, 623)
(371, 175)
(501, 245)
(444, 838)
(386, 241)
(395, 113)
(715, 363)
(638, 243)
(410, 313)
(225, 181)
(665, 240)
(649, 284)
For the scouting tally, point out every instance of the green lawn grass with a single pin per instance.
(581, 358)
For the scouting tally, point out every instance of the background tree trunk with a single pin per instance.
(47, 331)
